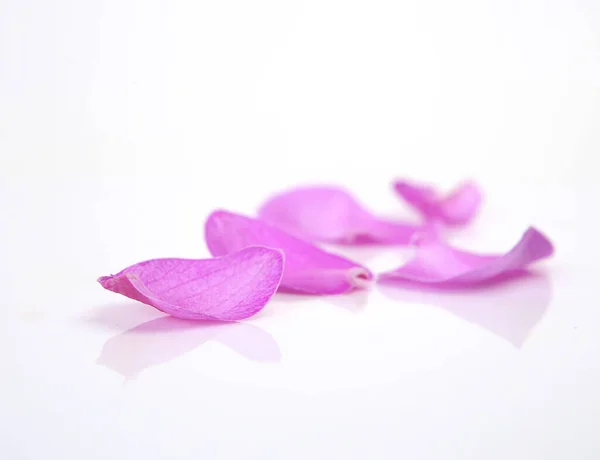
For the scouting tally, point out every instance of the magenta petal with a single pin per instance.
(459, 207)
(438, 263)
(227, 288)
(331, 214)
(308, 269)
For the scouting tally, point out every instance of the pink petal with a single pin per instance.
(227, 288)
(459, 207)
(308, 269)
(333, 215)
(438, 263)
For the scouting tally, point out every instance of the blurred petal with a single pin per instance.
(227, 288)
(459, 207)
(438, 263)
(308, 269)
(331, 214)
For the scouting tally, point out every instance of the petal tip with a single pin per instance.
(105, 281)
(543, 246)
(360, 278)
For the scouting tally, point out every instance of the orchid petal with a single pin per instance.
(437, 263)
(459, 207)
(332, 215)
(228, 288)
(308, 269)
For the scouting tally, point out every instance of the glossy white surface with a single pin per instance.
(123, 124)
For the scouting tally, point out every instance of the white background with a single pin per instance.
(124, 123)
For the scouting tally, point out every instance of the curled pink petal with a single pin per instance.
(308, 269)
(438, 263)
(228, 288)
(459, 207)
(331, 214)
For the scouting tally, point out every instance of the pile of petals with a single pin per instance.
(255, 257)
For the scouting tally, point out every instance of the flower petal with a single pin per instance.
(227, 288)
(459, 207)
(331, 214)
(438, 263)
(308, 269)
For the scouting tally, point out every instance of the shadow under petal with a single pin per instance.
(354, 302)
(121, 315)
(161, 340)
(509, 308)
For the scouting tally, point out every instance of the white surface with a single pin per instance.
(123, 124)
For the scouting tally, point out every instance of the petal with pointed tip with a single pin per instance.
(437, 263)
(228, 288)
(308, 269)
